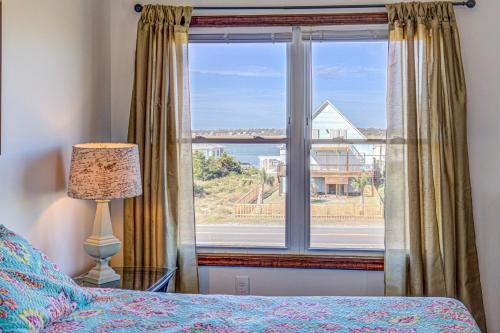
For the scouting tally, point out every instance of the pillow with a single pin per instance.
(33, 291)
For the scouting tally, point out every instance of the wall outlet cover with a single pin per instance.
(242, 286)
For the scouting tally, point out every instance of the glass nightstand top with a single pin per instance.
(135, 278)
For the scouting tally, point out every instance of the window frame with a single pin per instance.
(255, 140)
(299, 142)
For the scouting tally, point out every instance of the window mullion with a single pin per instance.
(307, 143)
(296, 165)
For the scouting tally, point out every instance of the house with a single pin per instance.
(276, 166)
(270, 164)
(209, 150)
(334, 165)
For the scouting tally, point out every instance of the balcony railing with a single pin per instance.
(352, 170)
(341, 167)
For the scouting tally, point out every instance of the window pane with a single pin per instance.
(240, 194)
(238, 89)
(347, 196)
(352, 77)
(347, 179)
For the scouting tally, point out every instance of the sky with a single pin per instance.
(243, 85)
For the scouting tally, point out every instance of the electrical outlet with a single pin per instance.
(242, 285)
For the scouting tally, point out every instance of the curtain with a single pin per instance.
(159, 226)
(430, 240)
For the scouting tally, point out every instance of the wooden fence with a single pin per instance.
(252, 195)
(337, 212)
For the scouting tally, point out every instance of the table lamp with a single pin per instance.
(102, 172)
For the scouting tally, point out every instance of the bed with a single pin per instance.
(35, 296)
(136, 311)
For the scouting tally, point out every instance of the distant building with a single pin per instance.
(209, 150)
(275, 166)
(379, 157)
(335, 165)
(246, 165)
(270, 164)
(378, 153)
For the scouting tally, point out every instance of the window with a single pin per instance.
(346, 169)
(239, 123)
(334, 133)
(315, 133)
(254, 112)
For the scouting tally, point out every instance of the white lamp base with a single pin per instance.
(101, 273)
(101, 246)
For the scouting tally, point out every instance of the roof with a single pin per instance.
(327, 104)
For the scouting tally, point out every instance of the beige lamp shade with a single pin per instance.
(104, 171)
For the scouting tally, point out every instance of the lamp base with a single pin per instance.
(101, 246)
(101, 273)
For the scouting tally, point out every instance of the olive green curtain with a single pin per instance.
(159, 226)
(430, 240)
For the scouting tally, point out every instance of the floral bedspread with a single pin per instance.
(132, 311)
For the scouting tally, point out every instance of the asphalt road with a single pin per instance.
(355, 237)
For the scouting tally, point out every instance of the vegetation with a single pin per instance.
(360, 184)
(218, 184)
(265, 179)
(314, 188)
(381, 191)
(216, 204)
(199, 190)
(222, 186)
(207, 168)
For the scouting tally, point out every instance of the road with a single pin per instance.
(323, 236)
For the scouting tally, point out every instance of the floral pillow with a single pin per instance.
(33, 291)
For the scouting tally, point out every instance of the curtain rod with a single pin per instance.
(469, 4)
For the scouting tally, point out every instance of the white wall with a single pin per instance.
(481, 47)
(293, 282)
(55, 93)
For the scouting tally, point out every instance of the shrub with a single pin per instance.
(200, 166)
(381, 191)
(199, 191)
(227, 164)
(210, 168)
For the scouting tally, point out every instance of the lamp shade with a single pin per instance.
(104, 171)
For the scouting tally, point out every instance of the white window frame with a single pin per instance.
(298, 140)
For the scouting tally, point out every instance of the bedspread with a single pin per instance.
(133, 311)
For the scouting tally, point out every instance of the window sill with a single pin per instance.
(292, 261)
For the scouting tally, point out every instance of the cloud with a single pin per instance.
(248, 72)
(330, 72)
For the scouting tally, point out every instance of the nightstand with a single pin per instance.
(136, 278)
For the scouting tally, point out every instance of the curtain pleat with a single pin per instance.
(159, 226)
(430, 239)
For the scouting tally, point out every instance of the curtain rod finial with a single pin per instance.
(138, 7)
(470, 3)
